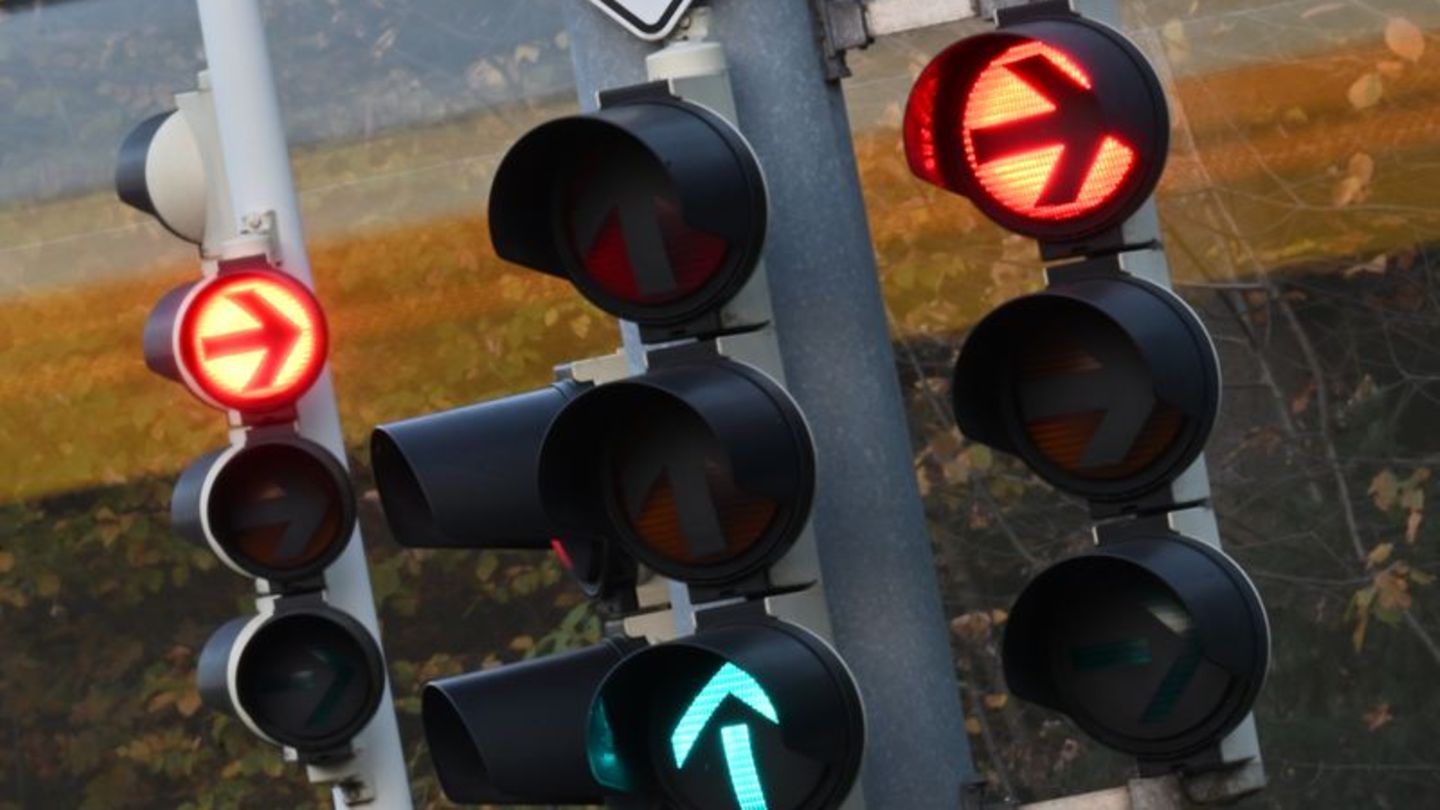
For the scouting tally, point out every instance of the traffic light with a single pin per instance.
(1154, 643)
(1105, 384)
(250, 340)
(698, 467)
(749, 713)
(653, 207)
(1054, 126)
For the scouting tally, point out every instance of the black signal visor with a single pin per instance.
(465, 478)
(517, 733)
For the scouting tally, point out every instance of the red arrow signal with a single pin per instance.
(276, 336)
(251, 341)
(1036, 137)
(1055, 128)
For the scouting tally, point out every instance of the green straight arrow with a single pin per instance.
(744, 776)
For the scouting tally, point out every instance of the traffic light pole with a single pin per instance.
(262, 189)
(879, 582)
(1242, 770)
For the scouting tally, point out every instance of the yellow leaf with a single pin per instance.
(1405, 39)
(999, 616)
(47, 585)
(1384, 488)
(1347, 191)
(996, 702)
(1379, 555)
(922, 480)
(232, 770)
(972, 726)
(1412, 527)
(980, 457)
(1392, 593)
(1366, 91)
(522, 643)
(973, 627)
(188, 704)
(1177, 46)
(7, 562)
(1360, 605)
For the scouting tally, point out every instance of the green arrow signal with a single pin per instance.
(729, 681)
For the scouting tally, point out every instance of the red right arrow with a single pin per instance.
(276, 335)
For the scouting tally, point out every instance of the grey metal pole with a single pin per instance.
(875, 555)
(257, 161)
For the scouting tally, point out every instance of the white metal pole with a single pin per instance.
(1244, 770)
(257, 161)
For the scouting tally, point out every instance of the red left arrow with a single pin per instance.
(276, 335)
(1077, 123)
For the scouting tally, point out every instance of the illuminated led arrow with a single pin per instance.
(276, 336)
(730, 681)
(1076, 122)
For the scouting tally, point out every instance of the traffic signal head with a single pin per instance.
(1106, 386)
(654, 207)
(754, 714)
(1055, 128)
(307, 677)
(1155, 645)
(517, 733)
(252, 340)
(278, 508)
(704, 471)
(161, 172)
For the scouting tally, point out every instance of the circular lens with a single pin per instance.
(309, 679)
(751, 715)
(1035, 139)
(281, 510)
(253, 340)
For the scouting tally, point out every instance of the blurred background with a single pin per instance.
(1302, 215)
